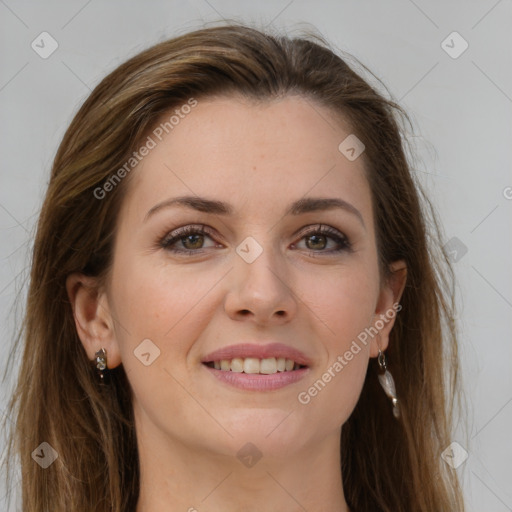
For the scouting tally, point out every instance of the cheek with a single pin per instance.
(332, 395)
(167, 308)
(345, 302)
(346, 310)
(153, 302)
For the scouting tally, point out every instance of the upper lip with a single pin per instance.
(258, 351)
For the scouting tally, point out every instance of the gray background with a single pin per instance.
(461, 108)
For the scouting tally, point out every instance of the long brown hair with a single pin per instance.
(387, 465)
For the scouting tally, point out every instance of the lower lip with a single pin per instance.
(258, 382)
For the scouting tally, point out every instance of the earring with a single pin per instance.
(388, 384)
(101, 362)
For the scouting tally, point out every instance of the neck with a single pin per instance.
(179, 477)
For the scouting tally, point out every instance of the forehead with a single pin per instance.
(243, 152)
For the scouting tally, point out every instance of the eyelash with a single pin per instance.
(170, 239)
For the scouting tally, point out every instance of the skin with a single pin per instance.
(259, 158)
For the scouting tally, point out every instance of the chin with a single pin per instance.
(273, 429)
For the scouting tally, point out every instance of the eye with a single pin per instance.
(189, 236)
(317, 240)
(192, 239)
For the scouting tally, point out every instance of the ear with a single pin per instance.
(92, 316)
(388, 306)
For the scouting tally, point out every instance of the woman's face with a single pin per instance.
(260, 276)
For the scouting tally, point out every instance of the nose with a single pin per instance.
(260, 289)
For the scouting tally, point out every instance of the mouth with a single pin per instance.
(255, 366)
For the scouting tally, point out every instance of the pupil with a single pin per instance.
(317, 238)
(192, 236)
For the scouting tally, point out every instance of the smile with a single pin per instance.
(257, 366)
(253, 365)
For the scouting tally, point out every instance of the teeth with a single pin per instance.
(266, 366)
(251, 365)
(237, 365)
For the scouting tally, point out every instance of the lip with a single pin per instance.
(257, 382)
(258, 351)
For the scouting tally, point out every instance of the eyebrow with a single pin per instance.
(301, 206)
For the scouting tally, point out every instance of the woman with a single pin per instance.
(233, 305)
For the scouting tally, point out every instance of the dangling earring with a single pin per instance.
(101, 362)
(388, 384)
